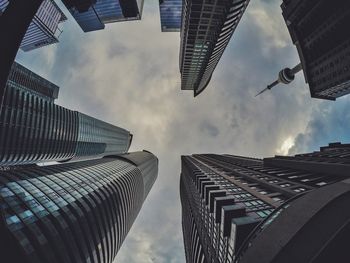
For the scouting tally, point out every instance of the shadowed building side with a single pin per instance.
(44, 29)
(225, 198)
(319, 31)
(313, 228)
(76, 212)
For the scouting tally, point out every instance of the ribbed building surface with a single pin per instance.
(319, 30)
(225, 197)
(33, 129)
(44, 29)
(207, 27)
(76, 212)
(170, 15)
(93, 15)
(313, 228)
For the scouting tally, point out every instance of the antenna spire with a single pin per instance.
(285, 76)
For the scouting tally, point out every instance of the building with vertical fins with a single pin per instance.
(75, 212)
(227, 200)
(92, 15)
(34, 129)
(319, 31)
(206, 29)
(170, 15)
(44, 29)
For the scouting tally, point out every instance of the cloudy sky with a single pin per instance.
(128, 75)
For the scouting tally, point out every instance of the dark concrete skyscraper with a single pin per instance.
(206, 29)
(224, 198)
(44, 29)
(170, 15)
(72, 213)
(33, 129)
(319, 31)
(92, 15)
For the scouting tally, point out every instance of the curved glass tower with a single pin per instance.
(75, 212)
(33, 129)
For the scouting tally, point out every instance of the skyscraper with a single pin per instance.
(72, 213)
(310, 228)
(44, 29)
(92, 15)
(225, 197)
(319, 31)
(170, 15)
(33, 129)
(207, 27)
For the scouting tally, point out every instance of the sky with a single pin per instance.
(128, 75)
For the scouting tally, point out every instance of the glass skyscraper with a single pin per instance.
(93, 15)
(225, 198)
(33, 129)
(170, 15)
(44, 29)
(207, 27)
(72, 213)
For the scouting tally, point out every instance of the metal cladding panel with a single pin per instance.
(77, 212)
(212, 196)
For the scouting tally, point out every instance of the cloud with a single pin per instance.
(128, 75)
(330, 122)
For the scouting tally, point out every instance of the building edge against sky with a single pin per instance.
(34, 129)
(93, 15)
(319, 31)
(75, 212)
(224, 198)
(206, 29)
(44, 29)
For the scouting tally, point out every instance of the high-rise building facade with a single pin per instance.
(319, 30)
(224, 197)
(170, 15)
(206, 29)
(92, 15)
(33, 129)
(44, 29)
(72, 213)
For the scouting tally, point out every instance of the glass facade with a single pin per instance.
(207, 27)
(93, 15)
(170, 15)
(33, 129)
(77, 212)
(44, 29)
(224, 197)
